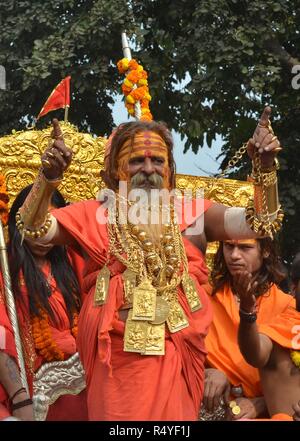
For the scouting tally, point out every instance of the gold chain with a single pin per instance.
(234, 160)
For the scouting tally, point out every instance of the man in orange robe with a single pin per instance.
(273, 348)
(125, 385)
(228, 371)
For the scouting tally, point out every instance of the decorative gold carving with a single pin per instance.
(176, 319)
(191, 293)
(155, 340)
(144, 338)
(20, 161)
(102, 286)
(55, 379)
(135, 335)
(129, 278)
(144, 301)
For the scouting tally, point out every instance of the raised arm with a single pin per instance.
(256, 348)
(33, 219)
(221, 222)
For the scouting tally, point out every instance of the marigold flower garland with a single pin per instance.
(135, 87)
(295, 356)
(43, 341)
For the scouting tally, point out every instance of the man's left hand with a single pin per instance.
(244, 286)
(264, 140)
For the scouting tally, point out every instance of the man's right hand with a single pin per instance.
(216, 386)
(57, 157)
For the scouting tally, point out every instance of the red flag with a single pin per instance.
(59, 98)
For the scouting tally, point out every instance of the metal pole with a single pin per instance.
(127, 54)
(11, 307)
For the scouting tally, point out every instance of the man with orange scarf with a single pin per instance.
(273, 348)
(228, 373)
(139, 277)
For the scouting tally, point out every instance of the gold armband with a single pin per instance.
(265, 216)
(33, 219)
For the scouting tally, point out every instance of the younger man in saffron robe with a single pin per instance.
(228, 373)
(273, 348)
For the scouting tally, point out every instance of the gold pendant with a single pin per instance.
(155, 340)
(144, 301)
(190, 290)
(161, 311)
(176, 319)
(102, 285)
(135, 335)
(129, 279)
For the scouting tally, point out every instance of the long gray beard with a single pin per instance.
(148, 183)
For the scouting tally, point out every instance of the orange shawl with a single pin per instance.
(221, 342)
(129, 386)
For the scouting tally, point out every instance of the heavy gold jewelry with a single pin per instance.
(45, 163)
(162, 310)
(264, 215)
(144, 301)
(33, 215)
(236, 410)
(130, 280)
(31, 233)
(151, 280)
(176, 319)
(143, 337)
(189, 288)
(102, 286)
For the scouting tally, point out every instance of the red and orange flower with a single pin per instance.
(135, 87)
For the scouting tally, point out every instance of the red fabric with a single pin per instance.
(129, 386)
(59, 98)
(61, 333)
(222, 344)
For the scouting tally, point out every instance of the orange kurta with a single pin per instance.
(222, 343)
(67, 407)
(130, 386)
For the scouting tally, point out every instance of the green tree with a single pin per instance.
(42, 42)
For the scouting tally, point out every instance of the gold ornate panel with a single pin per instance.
(20, 161)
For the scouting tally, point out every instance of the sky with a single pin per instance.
(189, 162)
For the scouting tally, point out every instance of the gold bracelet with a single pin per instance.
(261, 227)
(33, 233)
